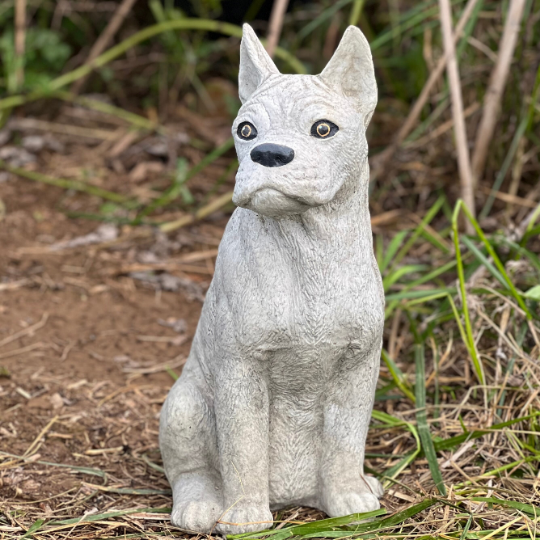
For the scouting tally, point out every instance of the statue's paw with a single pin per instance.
(343, 504)
(243, 519)
(374, 485)
(196, 516)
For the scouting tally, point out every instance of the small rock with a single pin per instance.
(56, 401)
(53, 144)
(15, 156)
(178, 325)
(158, 148)
(33, 143)
(104, 233)
(5, 136)
(147, 257)
(141, 170)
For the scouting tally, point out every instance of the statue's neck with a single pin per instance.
(342, 224)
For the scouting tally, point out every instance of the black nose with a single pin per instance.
(272, 155)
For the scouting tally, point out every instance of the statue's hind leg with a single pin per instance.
(189, 448)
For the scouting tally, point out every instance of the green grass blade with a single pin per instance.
(101, 106)
(522, 507)
(468, 337)
(325, 525)
(423, 300)
(33, 528)
(172, 373)
(356, 12)
(452, 442)
(491, 252)
(412, 295)
(418, 231)
(393, 249)
(520, 250)
(389, 420)
(412, 22)
(501, 175)
(324, 16)
(535, 215)
(522, 128)
(324, 528)
(421, 418)
(436, 240)
(65, 183)
(466, 528)
(375, 525)
(398, 376)
(483, 259)
(410, 512)
(394, 471)
(533, 231)
(397, 274)
(173, 191)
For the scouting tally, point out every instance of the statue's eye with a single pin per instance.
(247, 131)
(324, 129)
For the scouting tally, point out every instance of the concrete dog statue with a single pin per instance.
(273, 405)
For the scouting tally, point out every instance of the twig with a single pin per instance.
(200, 214)
(20, 38)
(464, 164)
(510, 199)
(27, 331)
(499, 76)
(180, 360)
(35, 444)
(24, 350)
(14, 285)
(64, 183)
(384, 157)
(34, 124)
(105, 38)
(523, 127)
(443, 128)
(276, 24)
(106, 108)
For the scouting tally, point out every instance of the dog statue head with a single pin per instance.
(299, 138)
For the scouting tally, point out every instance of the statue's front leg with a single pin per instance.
(345, 489)
(241, 407)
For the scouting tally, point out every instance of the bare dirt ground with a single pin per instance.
(84, 354)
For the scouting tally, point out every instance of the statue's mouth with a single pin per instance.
(273, 202)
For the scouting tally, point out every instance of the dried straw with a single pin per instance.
(499, 76)
(464, 164)
(276, 24)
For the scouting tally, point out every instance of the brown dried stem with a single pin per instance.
(20, 38)
(464, 164)
(105, 38)
(499, 76)
(276, 24)
(383, 158)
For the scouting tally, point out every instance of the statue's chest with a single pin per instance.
(332, 308)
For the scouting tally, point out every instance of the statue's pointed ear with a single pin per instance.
(351, 72)
(255, 64)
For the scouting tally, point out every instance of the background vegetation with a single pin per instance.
(455, 430)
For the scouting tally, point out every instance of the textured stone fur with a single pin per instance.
(274, 402)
